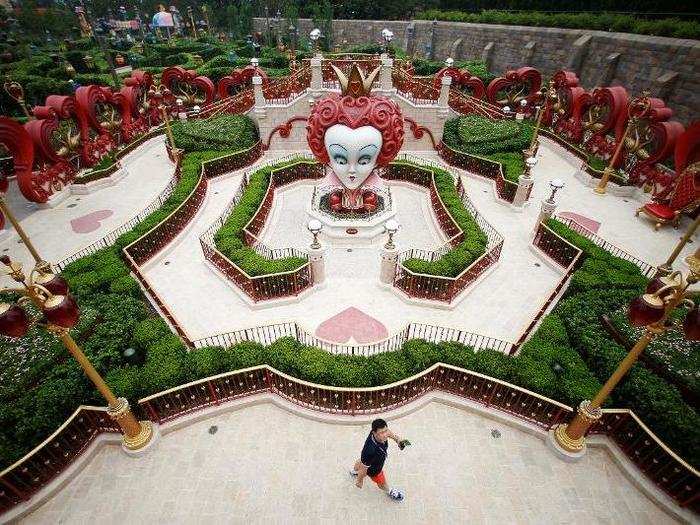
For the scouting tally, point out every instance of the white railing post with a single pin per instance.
(317, 264)
(389, 258)
(260, 103)
(546, 211)
(385, 81)
(444, 99)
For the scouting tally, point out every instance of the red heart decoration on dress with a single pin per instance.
(352, 323)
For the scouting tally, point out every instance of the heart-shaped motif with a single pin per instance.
(90, 222)
(587, 223)
(354, 324)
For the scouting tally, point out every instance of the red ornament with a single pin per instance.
(379, 112)
(53, 283)
(13, 320)
(61, 310)
(691, 325)
(645, 310)
(369, 199)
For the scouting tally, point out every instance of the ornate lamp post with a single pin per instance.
(16, 93)
(314, 35)
(315, 227)
(50, 295)
(545, 94)
(637, 109)
(388, 36)
(159, 94)
(555, 185)
(391, 227)
(651, 311)
(194, 27)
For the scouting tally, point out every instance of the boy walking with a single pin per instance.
(374, 453)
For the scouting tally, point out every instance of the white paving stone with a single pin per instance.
(267, 465)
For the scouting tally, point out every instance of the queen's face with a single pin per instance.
(353, 152)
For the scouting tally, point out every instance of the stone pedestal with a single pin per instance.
(546, 211)
(444, 99)
(259, 107)
(385, 81)
(318, 264)
(523, 191)
(389, 257)
(316, 85)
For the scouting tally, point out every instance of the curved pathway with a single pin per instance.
(264, 464)
(80, 220)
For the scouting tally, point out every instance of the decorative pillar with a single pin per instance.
(316, 77)
(389, 258)
(317, 263)
(444, 99)
(524, 184)
(259, 108)
(546, 211)
(385, 82)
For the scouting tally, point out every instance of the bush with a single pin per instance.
(235, 132)
(470, 249)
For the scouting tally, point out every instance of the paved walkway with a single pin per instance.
(266, 465)
(80, 220)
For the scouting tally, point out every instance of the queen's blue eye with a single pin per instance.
(364, 160)
(340, 159)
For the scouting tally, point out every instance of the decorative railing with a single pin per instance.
(505, 189)
(268, 334)
(673, 475)
(285, 89)
(20, 481)
(566, 256)
(647, 269)
(438, 287)
(417, 91)
(465, 104)
(238, 103)
(269, 286)
(153, 241)
(656, 461)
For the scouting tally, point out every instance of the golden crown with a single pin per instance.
(355, 84)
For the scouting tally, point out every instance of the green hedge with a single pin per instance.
(469, 250)
(673, 27)
(478, 68)
(498, 141)
(229, 238)
(235, 132)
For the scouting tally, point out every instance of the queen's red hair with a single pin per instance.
(378, 112)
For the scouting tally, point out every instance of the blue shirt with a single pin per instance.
(373, 455)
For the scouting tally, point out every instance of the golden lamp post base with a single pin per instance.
(137, 436)
(568, 440)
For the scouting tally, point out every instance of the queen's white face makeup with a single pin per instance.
(353, 152)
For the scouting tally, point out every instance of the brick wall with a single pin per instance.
(668, 67)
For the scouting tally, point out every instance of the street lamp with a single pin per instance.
(391, 227)
(637, 109)
(315, 227)
(556, 185)
(449, 62)
(49, 293)
(530, 163)
(651, 311)
(388, 36)
(544, 95)
(159, 94)
(314, 35)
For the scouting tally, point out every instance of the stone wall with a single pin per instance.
(668, 67)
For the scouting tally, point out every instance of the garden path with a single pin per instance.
(462, 467)
(80, 220)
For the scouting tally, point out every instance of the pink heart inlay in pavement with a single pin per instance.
(352, 323)
(90, 222)
(587, 223)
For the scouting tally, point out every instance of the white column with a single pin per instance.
(444, 100)
(524, 185)
(387, 86)
(546, 211)
(389, 258)
(316, 77)
(259, 108)
(318, 264)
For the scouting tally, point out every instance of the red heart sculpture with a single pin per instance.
(352, 323)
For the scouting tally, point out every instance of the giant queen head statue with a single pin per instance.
(354, 133)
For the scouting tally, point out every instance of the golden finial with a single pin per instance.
(355, 84)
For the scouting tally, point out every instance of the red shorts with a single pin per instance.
(379, 479)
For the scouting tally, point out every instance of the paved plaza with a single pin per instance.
(264, 464)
